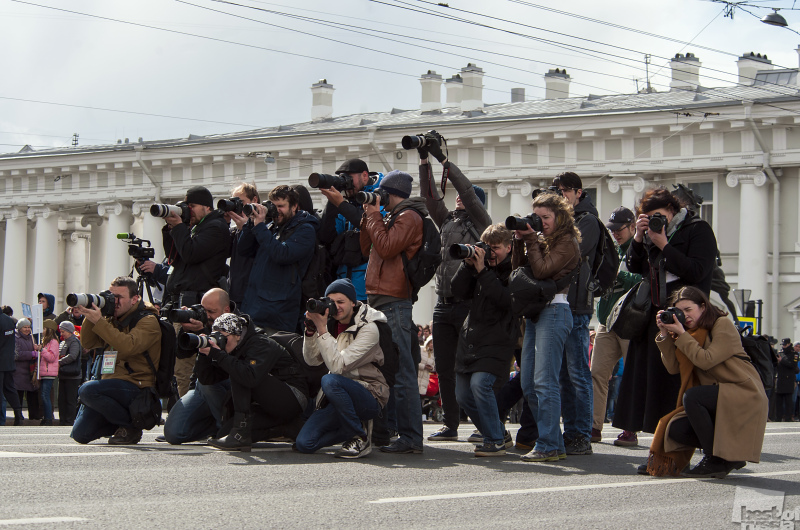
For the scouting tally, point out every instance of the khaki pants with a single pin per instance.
(183, 371)
(608, 348)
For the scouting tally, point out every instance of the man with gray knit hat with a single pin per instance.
(387, 241)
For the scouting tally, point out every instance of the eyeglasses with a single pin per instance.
(621, 229)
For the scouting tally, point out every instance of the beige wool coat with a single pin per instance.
(742, 405)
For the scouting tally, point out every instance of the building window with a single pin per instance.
(706, 191)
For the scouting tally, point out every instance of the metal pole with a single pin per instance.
(759, 303)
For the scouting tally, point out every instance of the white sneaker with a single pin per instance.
(355, 448)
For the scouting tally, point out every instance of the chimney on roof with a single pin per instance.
(454, 87)
(749, 64)
(321, 101)
(431, 92)
(517, 95)
(472, 97)
(685, 72)
(556, 82)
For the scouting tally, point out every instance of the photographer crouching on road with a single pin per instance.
(353, 393)
(265, 379)
(281, 238)
(464, 225)
(126, 329)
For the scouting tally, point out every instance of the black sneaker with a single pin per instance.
(508, 443)
(445, 434)
(490, 449)
(709, 467)
(578, 446)
(357, 447)
(399, 448)
(161, 438)
(126, 436)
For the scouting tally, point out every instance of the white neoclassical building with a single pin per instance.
(738, 146)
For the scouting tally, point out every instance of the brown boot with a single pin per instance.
(239, 439)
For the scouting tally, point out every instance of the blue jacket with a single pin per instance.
(282, 255)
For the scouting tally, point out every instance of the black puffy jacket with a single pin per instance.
(787, 370)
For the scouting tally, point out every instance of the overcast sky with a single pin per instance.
(197, 69)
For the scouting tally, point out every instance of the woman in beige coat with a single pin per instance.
(726, 408)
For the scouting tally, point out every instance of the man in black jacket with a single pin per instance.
(576, 378)
(240, 266)
(262, 374)
(784, 387)
(196, 252)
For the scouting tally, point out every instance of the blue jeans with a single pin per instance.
(46, 387)
(197, 414)
(476, 396)
(104, 408)
(613, 390)
(350, 403)
(576, 381)
(542, 354)
(408, 406)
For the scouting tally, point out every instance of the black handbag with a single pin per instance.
(631, 314)
(145, 409)
(530, 295)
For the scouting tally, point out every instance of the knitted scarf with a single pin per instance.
(660, 462)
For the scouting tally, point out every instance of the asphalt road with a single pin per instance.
(48, 481)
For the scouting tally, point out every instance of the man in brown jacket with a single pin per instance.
(389, 291)
(133, 330)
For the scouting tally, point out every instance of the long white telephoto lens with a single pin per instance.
(163, 210)
(85, 300)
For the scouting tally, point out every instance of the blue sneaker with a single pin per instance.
(445, 434)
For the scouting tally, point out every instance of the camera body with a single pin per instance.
(343, 182)
(521, 223)
(234, 204)
(657, 222)
(319, 305)
(182, 316)
(163, 210)
(366, 197)
(669, 315)
(190, 341)
(138, 249)
(272, 210)
(422, 140)
(458, 251)
(104, 300)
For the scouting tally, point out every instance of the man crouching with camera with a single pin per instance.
(265, 379)
(126, 337)
(346, 338)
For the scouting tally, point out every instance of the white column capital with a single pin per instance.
(91, 220)
(520, 187)
(617, 183)
(13, 212)
(40, 211)
(117, 208)
(746, 176)
(76, 235)
(142, 207)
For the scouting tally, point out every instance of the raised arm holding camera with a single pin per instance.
(240, 265)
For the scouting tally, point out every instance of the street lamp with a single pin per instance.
(774, 19)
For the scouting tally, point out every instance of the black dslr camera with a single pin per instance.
(657, 222)
(521, 223)
(272, 210)
(163, 210)
(319, 305)
(234, 204)
(343, 182)
(366, 197)
(104, 300)
(669, 315)
(422, 140)
(467, 251)
(190, 341)
(182, 316)
(136, 247)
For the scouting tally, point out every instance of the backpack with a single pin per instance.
(165, 384)
(760, 353)
(606, 261)
(293, 344)
(391, 352)
(422, 267)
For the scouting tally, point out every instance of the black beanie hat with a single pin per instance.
(200, 195)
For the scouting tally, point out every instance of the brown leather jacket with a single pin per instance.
(385, 274)
(563, 256)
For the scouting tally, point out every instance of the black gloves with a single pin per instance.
(423, 152)
(436, 150)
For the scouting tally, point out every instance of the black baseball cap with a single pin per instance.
(354, 165)
(619, 218)
(786, 342)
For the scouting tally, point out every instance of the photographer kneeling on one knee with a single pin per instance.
(265, 378)
(347, 341)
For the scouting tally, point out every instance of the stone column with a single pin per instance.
(151, 227)
(97, 252)
(118, 262)
(520, 200)
(76, 272)
(14, 259)
(631, 188)
(753, 239)
(45, 277)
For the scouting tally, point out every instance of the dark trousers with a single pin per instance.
(697, 428)
(783, 407)
(67, 400)
(34, 410)
(10, 391)
(508, 396)
(277, 403)
(447, 322)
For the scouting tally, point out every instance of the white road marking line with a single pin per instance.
(13, 454)
(610, 485)
(41, 520)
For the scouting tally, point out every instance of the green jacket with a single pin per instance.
(625, 280)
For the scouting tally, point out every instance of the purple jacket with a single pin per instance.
(25, 354)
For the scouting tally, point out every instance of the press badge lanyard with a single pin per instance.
(109, 362)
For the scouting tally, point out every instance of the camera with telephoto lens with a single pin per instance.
(657, 222)
(522, 223)
(367, 197)
(182, 316)
(421, 140)
(164, 210)
(234, 204)
(319, 305)
(190, 341)
(669, 315)
(104, 300)
(272, 210)
(467, 251)
(343, 182)
(136, 247)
